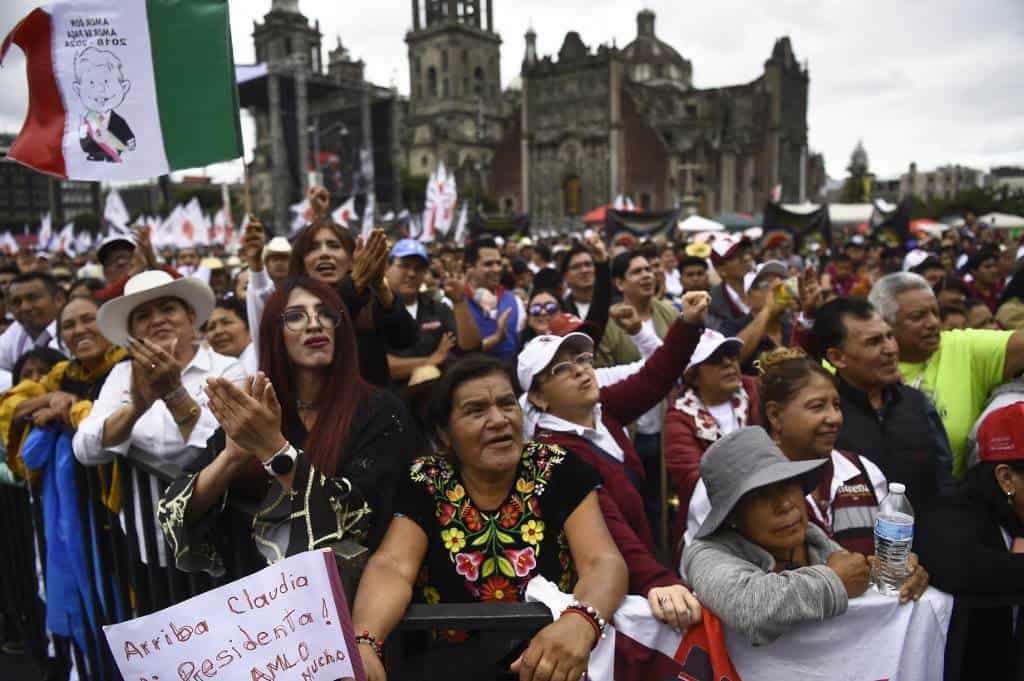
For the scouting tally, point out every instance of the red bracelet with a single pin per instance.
(590, 620)
(375, 644)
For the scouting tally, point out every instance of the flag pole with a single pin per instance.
(245, 182)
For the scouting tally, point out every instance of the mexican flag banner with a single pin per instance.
(127, 89)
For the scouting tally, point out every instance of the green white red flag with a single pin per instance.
(127, 89)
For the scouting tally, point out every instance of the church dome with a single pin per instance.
(650, 60)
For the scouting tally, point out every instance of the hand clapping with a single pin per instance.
(251, 418)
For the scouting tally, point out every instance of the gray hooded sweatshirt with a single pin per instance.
(733, 577)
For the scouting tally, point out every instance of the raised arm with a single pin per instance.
(467, 333)
(631, 398)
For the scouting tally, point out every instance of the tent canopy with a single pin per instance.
(696, 223)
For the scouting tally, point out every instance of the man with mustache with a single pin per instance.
(882, 417)
(956, 369)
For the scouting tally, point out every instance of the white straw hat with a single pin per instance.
(112, 317)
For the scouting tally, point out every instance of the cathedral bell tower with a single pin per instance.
(455, 100)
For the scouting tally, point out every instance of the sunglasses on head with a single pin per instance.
(543, 308)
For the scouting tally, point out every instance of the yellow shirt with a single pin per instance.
(958, 379)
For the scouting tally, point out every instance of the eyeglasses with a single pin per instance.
(543, 308)
(584, 359)
(299, 320)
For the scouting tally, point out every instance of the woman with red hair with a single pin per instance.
(306, 422)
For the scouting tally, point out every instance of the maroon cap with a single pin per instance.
(1001, 435)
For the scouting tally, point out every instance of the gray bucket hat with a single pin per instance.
(745, 460)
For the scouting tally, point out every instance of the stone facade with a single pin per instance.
(456, 108)
(597, 123)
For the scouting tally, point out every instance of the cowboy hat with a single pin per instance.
(742, 461)
(113, 316)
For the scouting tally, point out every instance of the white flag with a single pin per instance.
(460, 227)
(45, 233)
(426, 229)
(368, 216)
(345, 213)
(302, 215)
(115, 214)
(9, 243)
(65, 240)
(218, 231)
(197, 227)
(83, 242)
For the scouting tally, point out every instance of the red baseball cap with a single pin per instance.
(1001, 434)
(565, 323)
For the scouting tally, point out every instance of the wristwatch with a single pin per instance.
(283, 462)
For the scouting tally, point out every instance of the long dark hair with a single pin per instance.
(982, 488)
(344, 388)
(303, 244)
(784, 373)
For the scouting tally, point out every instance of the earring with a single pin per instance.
(1009, 496)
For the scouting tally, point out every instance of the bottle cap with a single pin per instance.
(897, 488)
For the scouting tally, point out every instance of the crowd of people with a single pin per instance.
(711, 425)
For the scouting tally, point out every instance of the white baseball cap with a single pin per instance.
(914, 258)
(710, 341)
(763, 270)
(539, 352)
(725, 246)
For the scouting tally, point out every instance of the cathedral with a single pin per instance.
(569, 133)
(577, 129)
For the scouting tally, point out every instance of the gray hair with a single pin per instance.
(885, 291)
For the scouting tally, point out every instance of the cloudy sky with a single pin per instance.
(931, 81)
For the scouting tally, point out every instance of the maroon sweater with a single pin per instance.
(624, 486)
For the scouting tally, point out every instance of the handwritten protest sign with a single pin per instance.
(287, 622)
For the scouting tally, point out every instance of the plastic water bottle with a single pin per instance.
(894, 535)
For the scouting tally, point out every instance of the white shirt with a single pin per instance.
(650, 423)
(673, 284)
(258, 290)
(583, 309)
(413, 309)
(737, 300)
(842, 471)
(15, 342)
(600, 436)
(156, 438)
(724, 416)
(155, 433)
(249, 359)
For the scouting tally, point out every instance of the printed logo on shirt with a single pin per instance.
(431, 325)
(860, 489)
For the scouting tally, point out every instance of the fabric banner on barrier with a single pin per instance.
(876, 638)
(287, 622)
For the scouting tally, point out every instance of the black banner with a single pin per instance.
(813, 226)
(639, 224)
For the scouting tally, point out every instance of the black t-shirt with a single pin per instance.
(475, 555)
(434, 319)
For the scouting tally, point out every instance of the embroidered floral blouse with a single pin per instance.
(478, 554)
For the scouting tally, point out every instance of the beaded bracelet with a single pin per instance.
(591, 613)
(375, 644)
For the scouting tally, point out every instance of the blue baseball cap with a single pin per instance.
(407, 247)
